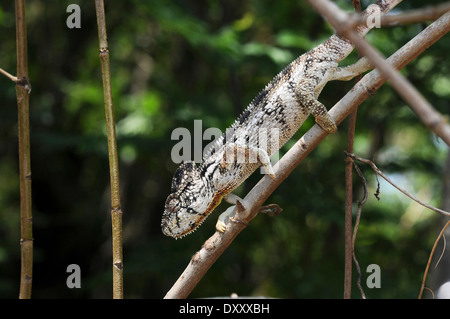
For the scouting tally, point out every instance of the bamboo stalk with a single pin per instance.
(23, 111)
(116, 211)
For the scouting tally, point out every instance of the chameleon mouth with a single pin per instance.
(170, 227)
(178, 221)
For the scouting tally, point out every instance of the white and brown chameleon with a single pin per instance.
(280, 109)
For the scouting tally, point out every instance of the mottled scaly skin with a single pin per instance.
(277, 112)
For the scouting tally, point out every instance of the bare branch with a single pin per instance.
(429, 13)
(387, 179)
(377, 171)
(415, 16)
(375, 168)
(343, 25)
(349, 193)
(429, 260)
(216, 244)
(355, 231)
(9, 76)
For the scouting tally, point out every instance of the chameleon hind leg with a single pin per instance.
(322, 117)
(304, 93)
(307, 97)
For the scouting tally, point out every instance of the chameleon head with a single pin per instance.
(186, 206)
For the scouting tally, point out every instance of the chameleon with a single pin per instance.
(278, 111)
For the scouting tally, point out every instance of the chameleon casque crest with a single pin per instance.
(281, 107)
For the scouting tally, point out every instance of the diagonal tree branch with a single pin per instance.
(216, 244)
(427, 114)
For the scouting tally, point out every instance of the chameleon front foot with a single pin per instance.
(221, 225)
(221, 221)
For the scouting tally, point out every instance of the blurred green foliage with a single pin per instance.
(176, 61)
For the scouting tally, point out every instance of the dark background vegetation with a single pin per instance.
(176, 61)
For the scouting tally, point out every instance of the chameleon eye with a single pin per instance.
(191, 211)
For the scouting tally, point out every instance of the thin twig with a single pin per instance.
(23, 109)
(387, 179)
(348, 212)
(429, 259)
(349, 192)
(412, 16)
(355, 230)
(23, 81)
(431, 291)
(8, 75)
(443, 251)
(116, 211)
